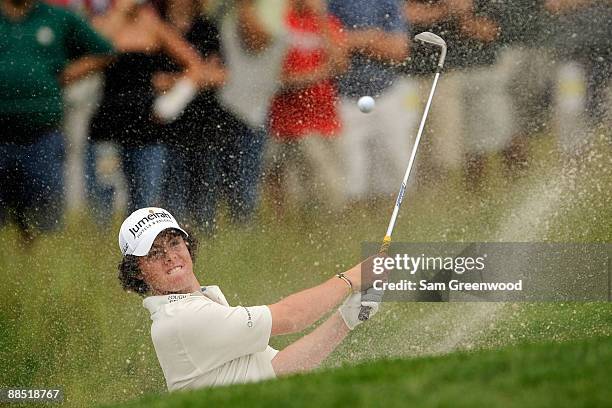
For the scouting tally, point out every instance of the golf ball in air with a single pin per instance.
(366, 104)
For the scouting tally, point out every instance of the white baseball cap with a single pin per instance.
(140, 229)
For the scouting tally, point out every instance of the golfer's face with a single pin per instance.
(168, 267)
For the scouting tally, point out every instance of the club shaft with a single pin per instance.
(364, 313)
(400, 195)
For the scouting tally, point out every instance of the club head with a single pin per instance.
(431, 38)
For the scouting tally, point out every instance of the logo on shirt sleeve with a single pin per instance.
(249, 317)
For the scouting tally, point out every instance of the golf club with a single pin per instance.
(428, 38)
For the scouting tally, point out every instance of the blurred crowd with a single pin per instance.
(191, 104)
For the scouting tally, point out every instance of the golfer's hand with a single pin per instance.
(362, 275)
(349, 310)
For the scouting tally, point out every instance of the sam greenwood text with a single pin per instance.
(452, 285)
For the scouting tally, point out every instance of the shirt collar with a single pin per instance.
(212, 292)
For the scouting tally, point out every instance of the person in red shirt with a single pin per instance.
(304, 118)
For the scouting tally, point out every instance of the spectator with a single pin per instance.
(581, 41)
(218, 143)
(471, 116)
(252, 46)
(80, 100)
(303, 118)
(199, 139)
(526, 58)
(34, 63)
(130, 114)
(378, 43)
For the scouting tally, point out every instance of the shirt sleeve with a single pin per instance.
(84, 40)
(271, 352)
(214, 334)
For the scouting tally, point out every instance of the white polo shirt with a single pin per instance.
(201, 341)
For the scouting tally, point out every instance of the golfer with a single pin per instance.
(201, 340)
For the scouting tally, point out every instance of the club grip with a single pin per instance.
(384, 248)
(364, 313)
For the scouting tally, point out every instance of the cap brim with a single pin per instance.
(146, 243)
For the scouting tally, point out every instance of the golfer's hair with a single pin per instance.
(129, 269)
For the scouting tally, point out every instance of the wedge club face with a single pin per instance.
(431, 38)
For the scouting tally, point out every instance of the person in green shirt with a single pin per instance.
(42, 48)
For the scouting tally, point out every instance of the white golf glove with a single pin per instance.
(352, 306)
(169, 106)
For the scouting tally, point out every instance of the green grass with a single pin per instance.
(64, 321)
(538, 375)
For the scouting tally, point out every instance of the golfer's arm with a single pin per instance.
(300, 310)
(308, 352)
